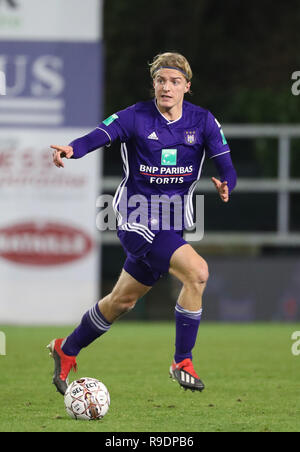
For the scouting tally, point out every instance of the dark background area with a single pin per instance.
(242, 54)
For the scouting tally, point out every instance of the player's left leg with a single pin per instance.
(95, 322)
(98, 320)
(192, 270)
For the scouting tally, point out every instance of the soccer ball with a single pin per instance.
(87, 399)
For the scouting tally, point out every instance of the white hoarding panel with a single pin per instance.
(51, 57)
(50, 20)
(48, 254)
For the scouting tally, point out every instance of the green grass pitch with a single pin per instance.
(252, 380)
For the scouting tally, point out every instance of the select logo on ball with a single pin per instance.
(43, 243)
(87, 399)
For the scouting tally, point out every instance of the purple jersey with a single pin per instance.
(161, 157)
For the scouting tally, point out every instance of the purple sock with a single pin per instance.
(187, 325)
(93, 325)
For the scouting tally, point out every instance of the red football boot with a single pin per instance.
(63, 364)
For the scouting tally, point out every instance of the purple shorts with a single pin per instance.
(148, 257)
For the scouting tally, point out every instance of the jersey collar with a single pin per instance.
(166, 119)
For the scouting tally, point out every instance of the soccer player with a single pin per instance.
(164, 142)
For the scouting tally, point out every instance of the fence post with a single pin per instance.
(2, 343)
(283, 212)
(2, 84)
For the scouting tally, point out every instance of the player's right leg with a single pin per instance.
(94, 324)
(192, 270)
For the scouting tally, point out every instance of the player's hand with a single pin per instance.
(61, 152)
(222, 188)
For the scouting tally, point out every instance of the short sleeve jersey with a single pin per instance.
(162, 159)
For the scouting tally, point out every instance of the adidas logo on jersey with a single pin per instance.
(153, 136)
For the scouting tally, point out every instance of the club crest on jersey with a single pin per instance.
(190, 136)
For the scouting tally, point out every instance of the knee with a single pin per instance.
(190, 268)
(198, 275)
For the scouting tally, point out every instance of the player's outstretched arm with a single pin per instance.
(61, 152)
(78, 148)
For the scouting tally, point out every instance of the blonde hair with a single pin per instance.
(171, 60)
